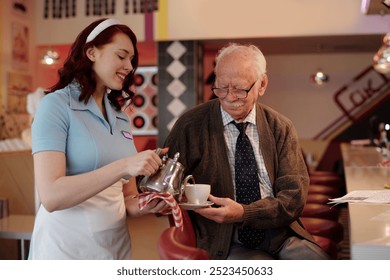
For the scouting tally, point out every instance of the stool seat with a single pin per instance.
(317, 198)
(328, 245)
(328, 180)
(323, 189)
(316, 210)
(325, 228)
(324, 173)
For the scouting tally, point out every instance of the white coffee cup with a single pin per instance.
(197, 193)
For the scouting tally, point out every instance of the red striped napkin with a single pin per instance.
(145, 197)
(384, 163)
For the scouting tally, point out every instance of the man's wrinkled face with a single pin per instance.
(234, 72)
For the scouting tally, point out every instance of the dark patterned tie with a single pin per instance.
(247, 183)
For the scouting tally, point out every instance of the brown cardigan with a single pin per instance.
(198, 136)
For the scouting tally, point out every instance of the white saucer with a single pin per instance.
(191, 206)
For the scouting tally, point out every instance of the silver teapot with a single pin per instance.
(168, 178)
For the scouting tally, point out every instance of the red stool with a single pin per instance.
(175, 243)
(328, 245)
(316, 210)
(317, 198)
(325, 228)
(322, 189)
(323, 173)
(334, 181)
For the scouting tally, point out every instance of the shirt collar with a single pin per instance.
(226, 118)
(75, 104)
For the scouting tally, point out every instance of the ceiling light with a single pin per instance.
(382, 57)
(319, 78)
(50, 57)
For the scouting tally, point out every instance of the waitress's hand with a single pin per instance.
(144, 163)
(155, 206)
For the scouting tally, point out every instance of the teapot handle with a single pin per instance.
(185, 182)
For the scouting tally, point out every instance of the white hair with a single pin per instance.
(256, 56)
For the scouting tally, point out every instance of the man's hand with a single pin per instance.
(228, 211)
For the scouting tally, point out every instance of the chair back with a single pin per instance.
(177, 244)
(4, 207)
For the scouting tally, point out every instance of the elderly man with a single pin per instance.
(251, 157)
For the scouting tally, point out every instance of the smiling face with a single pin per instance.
(112, 62)
(236, 71)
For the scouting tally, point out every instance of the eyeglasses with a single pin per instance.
(236, 92)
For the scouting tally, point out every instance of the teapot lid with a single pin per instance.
(176, 157)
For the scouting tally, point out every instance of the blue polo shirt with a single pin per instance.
(63, 123)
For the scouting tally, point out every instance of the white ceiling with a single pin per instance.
(317, 44)
(308, 45)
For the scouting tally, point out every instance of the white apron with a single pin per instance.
(94, 229)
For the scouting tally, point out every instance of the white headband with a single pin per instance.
(100, 27)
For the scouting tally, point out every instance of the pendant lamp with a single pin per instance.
(50, 57)
(382, 57)
(319, 77)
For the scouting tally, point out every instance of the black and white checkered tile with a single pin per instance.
(177, 82)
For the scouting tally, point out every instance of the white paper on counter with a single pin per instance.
(364, 196)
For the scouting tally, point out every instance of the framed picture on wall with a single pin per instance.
(19, 86)
(19, 47)
(143, 113)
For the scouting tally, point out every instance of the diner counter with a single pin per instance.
(369, 223)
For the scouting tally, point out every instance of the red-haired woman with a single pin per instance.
(83, 150)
